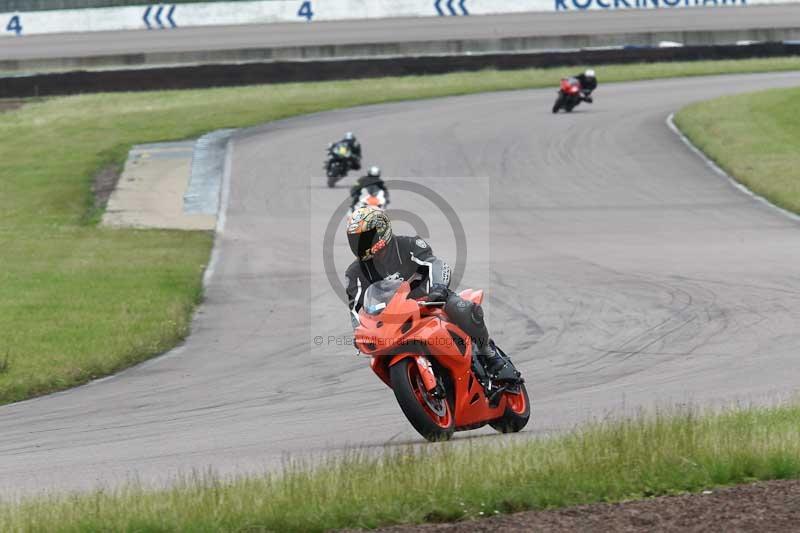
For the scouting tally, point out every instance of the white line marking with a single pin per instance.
(711, 164)
(222, 213)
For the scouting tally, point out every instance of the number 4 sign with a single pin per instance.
(15, 25)
(305, 11)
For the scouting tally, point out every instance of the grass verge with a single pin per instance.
(79, 301)
(753, 137)
(612, 461)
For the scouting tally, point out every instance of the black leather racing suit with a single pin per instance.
(355, 148)
(403, 257)
(588, 85)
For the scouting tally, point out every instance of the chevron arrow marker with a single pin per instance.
(158, 16)
(146, 16)
(172, 12)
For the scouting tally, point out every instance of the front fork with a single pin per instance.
(424, 366)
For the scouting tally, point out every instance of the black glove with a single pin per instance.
(438, 293)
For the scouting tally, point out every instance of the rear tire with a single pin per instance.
(413, 399)
(570, 106)
(517, 413)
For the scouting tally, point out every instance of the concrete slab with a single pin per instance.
(150, 192)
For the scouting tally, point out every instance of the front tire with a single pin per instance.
(432, 418)
(558, 103)
(334, 173)
(517, 413)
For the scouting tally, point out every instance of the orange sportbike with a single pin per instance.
(429, 364)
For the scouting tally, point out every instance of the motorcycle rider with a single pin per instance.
(355, 148)
(370, 181)
(380, 255)
(588, 82)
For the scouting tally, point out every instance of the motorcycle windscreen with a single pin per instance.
(379, 295)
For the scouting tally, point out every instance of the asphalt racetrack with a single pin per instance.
(399, 30)
(622, 273)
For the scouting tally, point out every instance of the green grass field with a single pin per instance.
(753, 137)
(79, 301)
(614, 461)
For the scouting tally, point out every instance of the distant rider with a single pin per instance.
(381, 255)
(373, 183)
(588, 83)
(355, 148)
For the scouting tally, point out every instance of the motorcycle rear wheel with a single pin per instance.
(432, 418)
(517, 413)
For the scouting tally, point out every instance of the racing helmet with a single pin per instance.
(374, 172)
(369, 231)
(349, 136)
(589, 73)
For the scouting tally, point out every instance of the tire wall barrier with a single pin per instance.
(168, 16)
(221, 75)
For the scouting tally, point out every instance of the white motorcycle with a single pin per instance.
(370, 196)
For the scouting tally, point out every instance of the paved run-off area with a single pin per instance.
(170, 185)
(150, 191)
(622, 273)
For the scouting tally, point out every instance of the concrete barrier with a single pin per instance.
(171, 15)
(200, 76)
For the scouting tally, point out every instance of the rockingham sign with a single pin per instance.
(582, 5)
(165, 17)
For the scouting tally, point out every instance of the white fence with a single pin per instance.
(168, 16)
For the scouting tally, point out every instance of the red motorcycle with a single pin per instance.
(569, 95)
(429, 364)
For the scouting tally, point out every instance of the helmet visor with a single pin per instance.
(360, 243)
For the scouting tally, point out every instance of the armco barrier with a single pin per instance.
(169, 15)
(200, 76)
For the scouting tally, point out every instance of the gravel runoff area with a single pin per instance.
(766, 506)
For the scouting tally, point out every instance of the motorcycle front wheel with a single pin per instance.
(558, 103)
(333, 174)
(431, 417)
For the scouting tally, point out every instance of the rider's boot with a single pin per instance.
(498, 367)
(469, 317)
